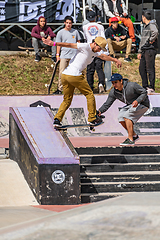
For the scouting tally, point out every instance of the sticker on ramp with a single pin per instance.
(58, 176)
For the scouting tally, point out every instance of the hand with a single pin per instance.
(47, 42)
(49, 37)
(98, 113)
(139, 56)
(118, 63)
(123, 37)
(135, 104)
(58, 58)
(117, 39)
(125, 14)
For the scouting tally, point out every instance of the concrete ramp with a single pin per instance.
(14, 190)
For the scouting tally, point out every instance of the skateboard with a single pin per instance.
(65, 127)
(31, 49)
(53, 74)
(108, 73)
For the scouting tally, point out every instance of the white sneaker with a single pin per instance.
(101, 88)
(150, 91)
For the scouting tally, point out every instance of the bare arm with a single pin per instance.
(109, 58)
(60, 44)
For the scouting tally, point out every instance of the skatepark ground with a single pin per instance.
(131, 216)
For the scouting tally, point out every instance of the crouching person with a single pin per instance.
(136, 100)
(40, 32)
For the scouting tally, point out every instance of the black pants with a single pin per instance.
(147, 68)
(97, 65)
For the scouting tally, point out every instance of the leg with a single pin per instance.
(63, 64)
(68, 91)
(128, 48)
(129, 115)
(90, 73)
(99, 70)
(129, 126)
(53, 49)
(128, 23)
(110, 46)
(123, 123)
(150, 66)
(81, 83)
(143, 71)
(35, 43)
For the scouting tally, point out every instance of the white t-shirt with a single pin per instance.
(92, 30)
(79, 62)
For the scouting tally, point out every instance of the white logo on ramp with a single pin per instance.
(58, 176)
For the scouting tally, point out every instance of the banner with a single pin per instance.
(30, 11)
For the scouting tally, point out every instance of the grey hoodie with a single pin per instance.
(149, 34)
(131, 92)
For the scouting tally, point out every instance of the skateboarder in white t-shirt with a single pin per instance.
(72, 76)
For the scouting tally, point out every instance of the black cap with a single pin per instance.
(147, 14)
(91, 16)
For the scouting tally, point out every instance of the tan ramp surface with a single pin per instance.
(14, 190)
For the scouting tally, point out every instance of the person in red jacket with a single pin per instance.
(39, 32)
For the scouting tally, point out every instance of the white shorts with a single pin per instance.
(132, 113)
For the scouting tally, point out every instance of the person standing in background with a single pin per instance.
(91, 31)
(147, 52)
(68, 35)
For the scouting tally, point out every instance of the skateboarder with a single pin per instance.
(136, 100)
(72, 76)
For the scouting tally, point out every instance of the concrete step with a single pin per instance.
(95, 197)
(104, 187)
(120, 176)
(136, 149)
(118, 158)
(120, 167)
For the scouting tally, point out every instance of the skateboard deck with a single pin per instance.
(65, 127)
(108, 73)
(26, 48)
(53, 74)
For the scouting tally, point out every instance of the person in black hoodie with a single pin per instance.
(117, 39)
(147, 52)
(136, 104)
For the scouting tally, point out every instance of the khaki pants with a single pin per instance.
(63, 64)
(114, 45)
(69, 84)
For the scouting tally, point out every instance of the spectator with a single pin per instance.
(117, 8)
(91, 31)
(68, 35)
(97, 7)
(136, 104)
(117, 39)
(147, 52)
(40, 32)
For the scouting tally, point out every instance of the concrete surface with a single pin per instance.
(14, 190)
(133, 216)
